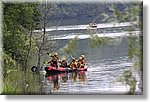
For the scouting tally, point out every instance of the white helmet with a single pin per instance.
(82, 56)
(55, 53)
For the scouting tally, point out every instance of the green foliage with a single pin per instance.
(71, 47)
(95, 41)
(19, 20)
(133, 43)
(135, 51)
(130, 13)
(71, 11)
(7, 60)
(128, 79)
(17, 23)
(15, 85)
(8, 64)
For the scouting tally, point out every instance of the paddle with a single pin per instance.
(68, 62)
(72, 57)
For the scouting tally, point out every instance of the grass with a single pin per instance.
(17, 83)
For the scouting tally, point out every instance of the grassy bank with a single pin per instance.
(16, 82)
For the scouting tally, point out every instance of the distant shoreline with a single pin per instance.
(73, 21)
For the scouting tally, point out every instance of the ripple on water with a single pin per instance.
(101, 78)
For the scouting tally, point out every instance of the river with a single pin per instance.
(106, 63)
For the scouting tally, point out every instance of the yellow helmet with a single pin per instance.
(82, 56)
(64, 59)
(55, 53)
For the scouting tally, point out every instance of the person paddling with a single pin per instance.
(73, 63)
(83, 59)
(80, 63)
(51, 61)
(54, 60)
(63, 63)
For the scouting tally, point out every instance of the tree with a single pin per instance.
(44, 42)
(132, 13)
(18, 23)
(17, 26)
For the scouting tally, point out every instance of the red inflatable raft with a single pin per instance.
(50, 69)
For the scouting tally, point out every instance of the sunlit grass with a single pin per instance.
(17, 83)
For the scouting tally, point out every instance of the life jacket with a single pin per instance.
(84, 61)
(51, 63)
(63, 63)
(78, 63)
(54, 58)
(81, 63)
(73, 64)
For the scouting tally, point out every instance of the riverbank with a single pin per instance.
(16, 82)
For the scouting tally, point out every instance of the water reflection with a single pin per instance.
(105, 66)
(57, 79)
(78, 76)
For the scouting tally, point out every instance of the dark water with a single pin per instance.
(105, 66)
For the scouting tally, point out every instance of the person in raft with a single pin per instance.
(81, 62)
(63, 63)
(50, 62)
(54, 59)
(83, 59)
(73, 63)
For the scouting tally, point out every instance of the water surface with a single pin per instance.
(106, 64)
